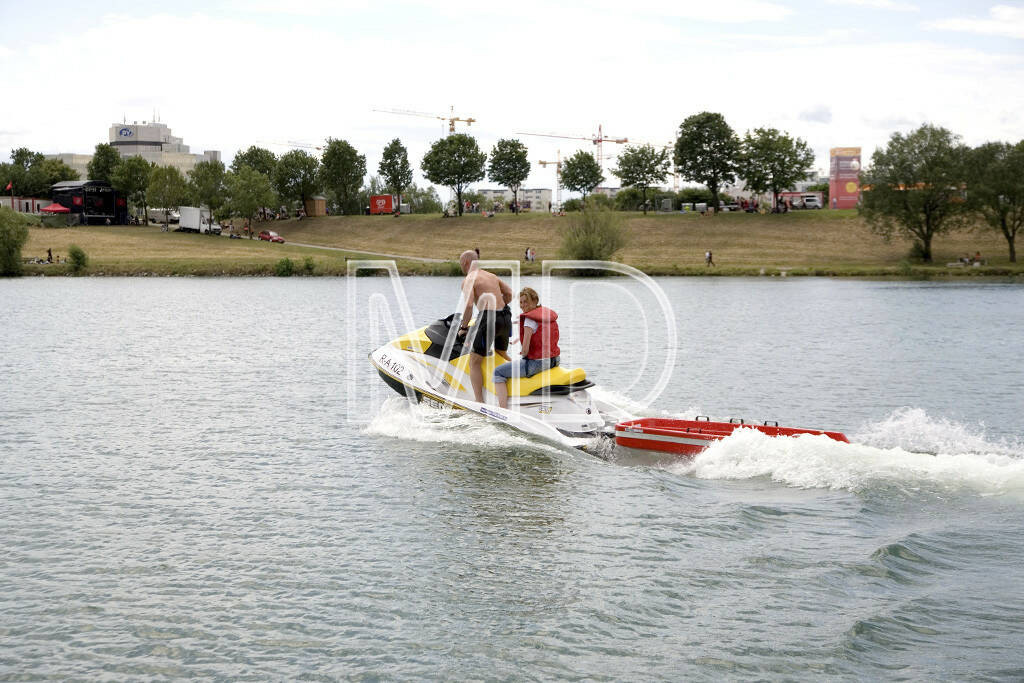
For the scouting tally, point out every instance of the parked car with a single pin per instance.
(271, 236)
(811, 203)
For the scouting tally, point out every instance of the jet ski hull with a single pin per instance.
(554, 405)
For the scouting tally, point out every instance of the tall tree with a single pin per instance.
(342, 171)
(206, 184)
(707, 152)
(641, 167)
(248, 191)
(914, 187)
(509, 166)
(995, 188)
(455, 161)
(256, 158)
(296, 176)
(395, 169)
(167, 188)
(131, 178)
(104, 160)
(25, 173)
(773, 161)
(581, 173)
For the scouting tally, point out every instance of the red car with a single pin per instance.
(271, 236)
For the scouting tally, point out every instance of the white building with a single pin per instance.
(150, 140)
(530, 199)
(608, 192)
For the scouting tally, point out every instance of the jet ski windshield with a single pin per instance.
(437, 333)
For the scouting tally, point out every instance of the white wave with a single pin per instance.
(398, 418)
(913, 430)
(812, 461)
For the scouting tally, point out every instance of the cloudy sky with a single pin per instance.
(225, 75)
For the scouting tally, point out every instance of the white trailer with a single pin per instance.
(197, 219)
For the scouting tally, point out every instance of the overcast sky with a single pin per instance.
(226, 75)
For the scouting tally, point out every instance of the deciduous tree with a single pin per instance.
(296, 176)
(642, 166)
(995, 188)
(104, 160)
(581, 173)
(772, 161)
(131, 178)
(509, 166)
(342, 171)
(206, 184)
(167, 188)
(455, 161)
(707, 151)
(248, 191)
(256, 158)
(914, 187)
(13, 235)
(395, 169)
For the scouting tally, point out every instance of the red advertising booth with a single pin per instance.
(382, 203)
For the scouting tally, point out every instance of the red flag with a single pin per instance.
(9, 185)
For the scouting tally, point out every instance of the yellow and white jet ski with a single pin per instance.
(431, 365)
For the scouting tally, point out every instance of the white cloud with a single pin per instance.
(1003, 20)
(879, 4)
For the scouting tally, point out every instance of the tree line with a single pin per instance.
(920, 185)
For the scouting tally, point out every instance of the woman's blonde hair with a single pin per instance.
(530, 294)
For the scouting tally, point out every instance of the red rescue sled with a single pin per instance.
(690, 437)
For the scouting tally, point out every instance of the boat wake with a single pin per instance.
(398, 418)
(908, 450)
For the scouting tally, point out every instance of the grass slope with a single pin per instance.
(811, 242)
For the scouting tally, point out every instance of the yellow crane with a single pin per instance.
(452, 119)
(598, 140)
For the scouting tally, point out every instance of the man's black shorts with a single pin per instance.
(481, 333)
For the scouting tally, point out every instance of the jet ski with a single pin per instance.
(431, 365)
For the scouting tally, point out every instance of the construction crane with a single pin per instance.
(598, 140)
(451, 118)
(293, 144)
(558, 177)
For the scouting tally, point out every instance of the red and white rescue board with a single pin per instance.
(690, 437)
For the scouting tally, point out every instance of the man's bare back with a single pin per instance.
(479, 283)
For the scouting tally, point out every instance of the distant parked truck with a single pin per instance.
(382, 203)
(163, 215)
(197, 219)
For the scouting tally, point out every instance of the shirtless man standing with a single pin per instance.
(494, 323)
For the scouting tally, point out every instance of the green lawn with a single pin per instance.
(810, 242)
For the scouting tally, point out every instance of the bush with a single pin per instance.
(284, 268)
(309, 265)
(13, 235)
(593, 235)
(77, 258)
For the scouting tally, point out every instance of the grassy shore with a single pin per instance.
(835, 243)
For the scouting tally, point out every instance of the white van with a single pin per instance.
(811, 201)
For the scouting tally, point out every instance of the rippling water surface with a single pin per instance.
(205, 478)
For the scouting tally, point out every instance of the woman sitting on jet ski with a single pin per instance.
(538, 333)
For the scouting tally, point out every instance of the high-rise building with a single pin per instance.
(150, 140)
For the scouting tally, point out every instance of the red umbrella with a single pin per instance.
(55, 208)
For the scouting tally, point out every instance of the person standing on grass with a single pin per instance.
(708, 261)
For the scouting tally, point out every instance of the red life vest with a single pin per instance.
(544, 342)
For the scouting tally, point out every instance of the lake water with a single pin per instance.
(206, 478)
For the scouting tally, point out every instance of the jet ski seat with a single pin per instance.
(555, 377)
